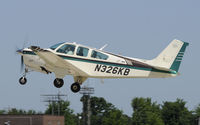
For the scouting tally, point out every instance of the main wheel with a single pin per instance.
(75, 87)
(22, 80)
(58, 83)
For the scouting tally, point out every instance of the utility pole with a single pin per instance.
(52, 99)
(86, 92)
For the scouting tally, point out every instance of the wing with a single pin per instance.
(58, 65)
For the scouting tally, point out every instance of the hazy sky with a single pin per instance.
(135, 28)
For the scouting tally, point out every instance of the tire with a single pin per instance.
(75, 87)
(22, 80)
(58, 83)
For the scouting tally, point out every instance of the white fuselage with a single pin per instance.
(114, 67)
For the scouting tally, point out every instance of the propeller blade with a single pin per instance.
(26, 39)
(16, 50)
(22, 63)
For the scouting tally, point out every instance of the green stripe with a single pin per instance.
(176, 64)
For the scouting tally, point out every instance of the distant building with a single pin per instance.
(31, 120)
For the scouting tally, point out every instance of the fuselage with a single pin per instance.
(95, 63)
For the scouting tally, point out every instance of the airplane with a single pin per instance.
(83, 62)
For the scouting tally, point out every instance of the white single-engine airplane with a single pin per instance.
(84, 62)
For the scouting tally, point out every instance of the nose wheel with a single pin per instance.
(22, 80)
(75, 87)
(58, 83)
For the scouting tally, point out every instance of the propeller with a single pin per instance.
(20, 51)
(22, 64)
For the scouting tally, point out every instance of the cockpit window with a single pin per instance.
(99, 55)
(82, 51)
(67, 49)
(55, 46)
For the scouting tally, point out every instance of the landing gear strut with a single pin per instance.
(75, 87)
(23, 79)
(58, 83)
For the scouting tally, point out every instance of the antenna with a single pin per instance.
(86, 92)
(103, 47)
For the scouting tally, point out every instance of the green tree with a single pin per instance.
(14, 111)
(2, 112)
(195, 116)
(115, 117)
(175, 113)
(146, 112)
(197, 111)
(105, 113)
(70, 118)
(99, 108)
(32, 112)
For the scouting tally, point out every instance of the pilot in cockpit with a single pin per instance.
(69, 50)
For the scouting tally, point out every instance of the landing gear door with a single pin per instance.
(80, 79)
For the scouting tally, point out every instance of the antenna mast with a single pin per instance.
(86, 92)
(52, 99)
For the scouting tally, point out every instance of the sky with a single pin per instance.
(134, 28)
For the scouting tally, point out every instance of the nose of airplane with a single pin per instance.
(20, 51)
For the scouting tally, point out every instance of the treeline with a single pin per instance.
(145, 112)
(14, 111)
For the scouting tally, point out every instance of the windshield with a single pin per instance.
(55, 46)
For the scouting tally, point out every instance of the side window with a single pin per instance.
(82, 51)
(67, 49)
(99, 55)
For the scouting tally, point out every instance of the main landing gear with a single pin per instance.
(75, 87)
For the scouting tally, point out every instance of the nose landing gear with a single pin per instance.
(23, 79)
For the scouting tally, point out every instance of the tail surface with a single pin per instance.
(171, 56)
